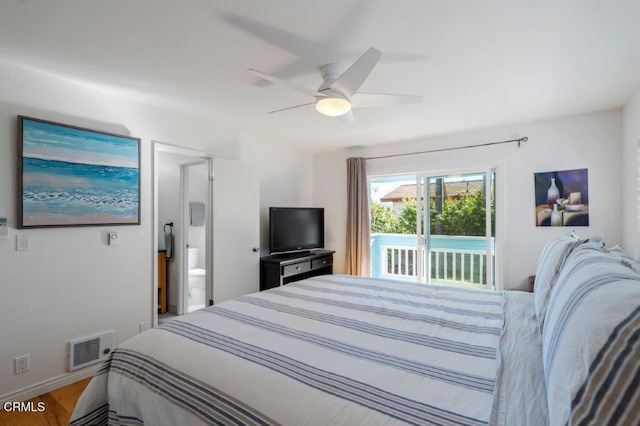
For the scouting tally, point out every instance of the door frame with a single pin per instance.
(158, 147)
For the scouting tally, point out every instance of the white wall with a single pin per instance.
(72, 284)
(630, 204)
(592, 141)
(279, 187)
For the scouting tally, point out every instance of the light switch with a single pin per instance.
(114, 239)
(23, 242)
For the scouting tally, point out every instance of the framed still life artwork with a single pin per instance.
(71, 176)
(562, 198)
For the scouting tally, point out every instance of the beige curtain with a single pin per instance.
(358, 235)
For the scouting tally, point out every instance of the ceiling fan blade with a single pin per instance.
(360, 100)
(347, 117)
(351, 80)
(294, 86)
(292, 107)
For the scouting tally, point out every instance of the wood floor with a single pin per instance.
(58, 407)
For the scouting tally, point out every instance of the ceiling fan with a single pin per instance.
(338, 92)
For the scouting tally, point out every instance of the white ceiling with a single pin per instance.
(478, 63)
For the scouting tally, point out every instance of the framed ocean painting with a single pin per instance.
(71, 176)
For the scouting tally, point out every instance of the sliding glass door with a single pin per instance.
(456, 229)
(435, 228)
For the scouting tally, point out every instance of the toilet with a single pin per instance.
(196, 280)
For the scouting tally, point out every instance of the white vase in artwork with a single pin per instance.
(553, 193)
(556, 216)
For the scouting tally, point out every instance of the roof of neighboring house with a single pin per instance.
(400, 193)
(452, 189)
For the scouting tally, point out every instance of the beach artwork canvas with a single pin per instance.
(70, 176)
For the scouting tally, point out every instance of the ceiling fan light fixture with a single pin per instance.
(333, 106)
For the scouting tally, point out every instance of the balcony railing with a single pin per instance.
(399, 262)
(454, 260)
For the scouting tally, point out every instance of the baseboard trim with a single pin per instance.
(50, 385)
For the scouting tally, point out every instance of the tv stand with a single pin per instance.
(291, 255)
(281, 269)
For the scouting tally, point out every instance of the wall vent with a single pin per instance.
(89, 350)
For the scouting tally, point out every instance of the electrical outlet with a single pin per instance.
(144, 326)
(22, 364)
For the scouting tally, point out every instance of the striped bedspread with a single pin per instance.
(328, 350)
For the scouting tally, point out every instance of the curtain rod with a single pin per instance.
(518, 141)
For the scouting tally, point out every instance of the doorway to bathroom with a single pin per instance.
(195, 183)
(183, 220)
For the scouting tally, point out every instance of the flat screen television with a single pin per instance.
(295, 229)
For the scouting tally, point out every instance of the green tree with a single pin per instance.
(466, 215)
(407, 217)
(460, 216)
(383, 219)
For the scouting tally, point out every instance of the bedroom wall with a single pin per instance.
(72, 284)
(592, 141)
(277, 188)
(630, 198)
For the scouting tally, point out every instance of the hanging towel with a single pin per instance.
(168, 240)
(197, 214)
(168, 245)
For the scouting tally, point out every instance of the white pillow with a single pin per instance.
(619, 254)
(550, 263)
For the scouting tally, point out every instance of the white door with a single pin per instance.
(236, 229)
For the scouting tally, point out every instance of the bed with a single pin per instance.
(340, 349)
